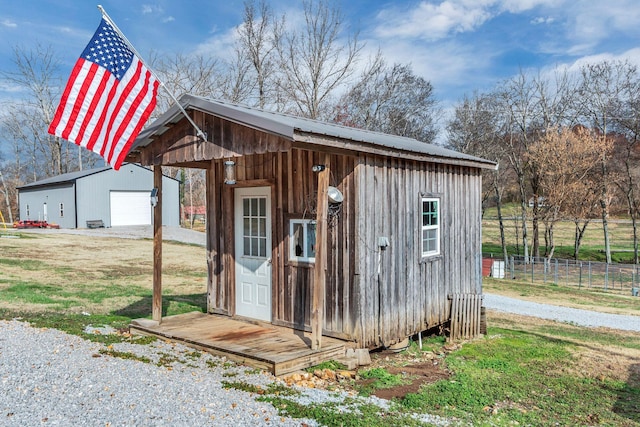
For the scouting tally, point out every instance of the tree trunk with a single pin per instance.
(604, 205)
(550, 243)
(523, 205)
(579, 234)
(634, 223)
(535, 228)
(503, 242)
(7, 199)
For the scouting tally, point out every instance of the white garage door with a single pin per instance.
(130, 208)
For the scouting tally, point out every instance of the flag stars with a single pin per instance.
(110, 51)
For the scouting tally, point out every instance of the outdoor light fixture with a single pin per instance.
(230, 172)
(318, 168)
(335, 196)
(154, 197)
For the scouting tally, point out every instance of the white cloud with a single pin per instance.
(631, 55)
(148, 9)
(8, 23)
(519, 6)
(590, 22)
(220, 45)
(542, 20)
(434, 21)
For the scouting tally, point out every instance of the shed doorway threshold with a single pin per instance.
(274, 349)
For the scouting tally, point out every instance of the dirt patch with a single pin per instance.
(417, 376)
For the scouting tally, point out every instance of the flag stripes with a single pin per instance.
(103, 109)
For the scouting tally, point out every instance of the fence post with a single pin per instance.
(545, 266)
(513, 268)
(589, 274)
(555, 278)
(533, 264)
(580, 277)
(606, 277)
(620, 278)
(566, 262)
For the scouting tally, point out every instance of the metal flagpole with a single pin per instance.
(121, 34)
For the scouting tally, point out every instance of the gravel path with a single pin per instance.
(562, 314)
(51, 378)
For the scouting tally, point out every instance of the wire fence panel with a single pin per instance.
(620, 278)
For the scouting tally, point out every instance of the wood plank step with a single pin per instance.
(277, 350)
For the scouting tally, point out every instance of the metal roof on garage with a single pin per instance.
(73, 176)
(65, 177)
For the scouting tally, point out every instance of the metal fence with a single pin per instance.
(620, 278)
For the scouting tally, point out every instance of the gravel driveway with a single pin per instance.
(562, 314)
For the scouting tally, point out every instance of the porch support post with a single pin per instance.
(320, 268)
(156, 312)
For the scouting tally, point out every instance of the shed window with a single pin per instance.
(430, 226)
(27, 211)
(61, 210)
(302, 240)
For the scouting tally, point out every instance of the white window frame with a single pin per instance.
(304, 256)
(61, 210)
(430, 227)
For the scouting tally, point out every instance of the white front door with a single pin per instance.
(253, 252)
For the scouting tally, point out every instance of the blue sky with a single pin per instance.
(458, 45)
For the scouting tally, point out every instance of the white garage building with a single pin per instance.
(114, 197)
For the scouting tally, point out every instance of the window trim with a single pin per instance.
(292, 255)
(430, 198)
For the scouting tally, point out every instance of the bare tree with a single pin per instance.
(515, 100)
(390, 99)
(476, 130)
(194, 74)
(314, 61)
(36, 74)
(629, 156)
(258, 36)
(565, 159)
(602, 90)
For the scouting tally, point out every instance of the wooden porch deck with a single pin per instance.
(274, 349)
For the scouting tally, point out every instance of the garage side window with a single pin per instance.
(302, 238)
(27, 212)
(61, 210)
(430, 226)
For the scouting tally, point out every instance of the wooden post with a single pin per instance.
(320, 269)
(157, 247)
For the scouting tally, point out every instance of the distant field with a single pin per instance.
(592, 247)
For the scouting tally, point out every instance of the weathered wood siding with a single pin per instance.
(225, 139)
(400, 293)
(294, 188)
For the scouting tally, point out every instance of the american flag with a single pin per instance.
(108, 98)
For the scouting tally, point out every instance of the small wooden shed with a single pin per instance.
(347, 233)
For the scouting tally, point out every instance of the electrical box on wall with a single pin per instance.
(383, 242)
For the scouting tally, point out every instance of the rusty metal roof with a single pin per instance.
(296, 128)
